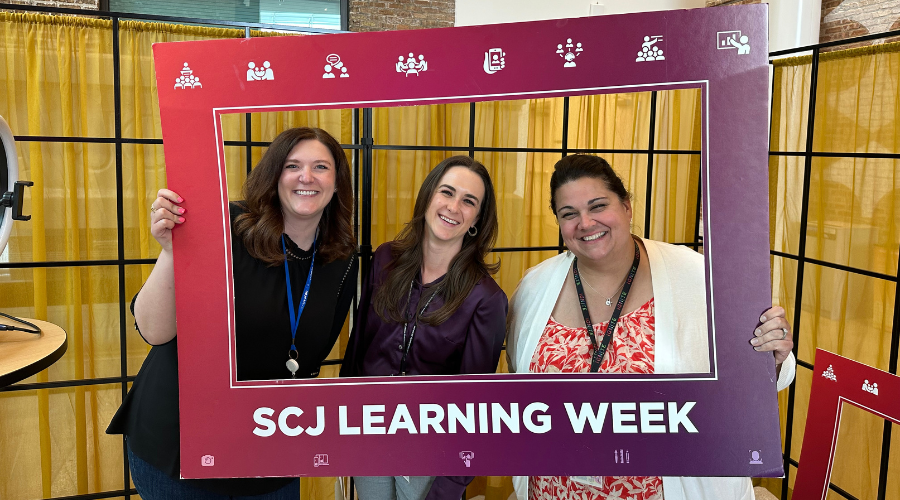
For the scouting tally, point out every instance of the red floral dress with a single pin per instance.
(565, 349)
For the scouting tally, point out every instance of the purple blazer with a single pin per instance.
(470, 341)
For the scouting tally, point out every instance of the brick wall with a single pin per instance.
(65, 4)
(849, 18)
(380, 15)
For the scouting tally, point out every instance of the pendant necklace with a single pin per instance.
(601, 346)
(292, 364)
(609, 299)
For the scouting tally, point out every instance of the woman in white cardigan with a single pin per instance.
(612, 304)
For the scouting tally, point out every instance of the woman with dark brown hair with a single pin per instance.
(430, 305)
(618, 303)
(294, 270)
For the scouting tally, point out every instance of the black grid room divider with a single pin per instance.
(363, 146)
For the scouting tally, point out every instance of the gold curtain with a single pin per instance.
(58, 79)
(853, 214)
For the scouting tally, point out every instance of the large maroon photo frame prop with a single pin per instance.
(724, 422)
(837, 382)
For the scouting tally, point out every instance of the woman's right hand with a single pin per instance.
(165, 213)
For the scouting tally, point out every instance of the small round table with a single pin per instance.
(23, 354)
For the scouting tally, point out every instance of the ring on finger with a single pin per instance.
(784, 335)
(152, 208)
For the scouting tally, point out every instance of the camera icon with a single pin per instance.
(207, 460)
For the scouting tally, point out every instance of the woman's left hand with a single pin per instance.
(774, 334)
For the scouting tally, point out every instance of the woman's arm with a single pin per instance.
(487, 329)
(154, 308)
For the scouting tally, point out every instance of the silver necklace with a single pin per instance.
(608, 299)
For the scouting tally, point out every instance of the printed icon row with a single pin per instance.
(871, 388)
(494, 59)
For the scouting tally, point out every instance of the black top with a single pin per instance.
(149, 414)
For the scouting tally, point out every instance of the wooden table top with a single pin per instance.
(23, 354)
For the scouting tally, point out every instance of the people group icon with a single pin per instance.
(334, 63)
(411, 66)
(754, 458)
(649, 51)
(872, 388)
(570, 52)
(255, 73)
(187, 79)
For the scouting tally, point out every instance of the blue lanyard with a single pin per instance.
(295, 319)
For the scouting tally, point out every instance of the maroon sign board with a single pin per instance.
(724, 422)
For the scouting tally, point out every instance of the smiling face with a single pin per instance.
(593, 220)
(455, 205)
(307, 181)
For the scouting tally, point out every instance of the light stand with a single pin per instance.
(12, 190)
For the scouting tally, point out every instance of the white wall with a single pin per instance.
(472, 12)
(792, 23)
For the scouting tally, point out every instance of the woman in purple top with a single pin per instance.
(430, 305)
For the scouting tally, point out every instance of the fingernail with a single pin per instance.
(181, 219)
(180, 210)
(756, 348)
(761, 318)
(180, 199)
(757, 331)
(754, 341)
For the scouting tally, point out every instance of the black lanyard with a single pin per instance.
(600, 350)
(404, 347)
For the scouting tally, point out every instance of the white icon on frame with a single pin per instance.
(569, 52)
(726, 40)
(410, 65)
(335, 66)
(187, 80)
(494, 61)
(870, 388)
(257, 73)
(650, 51)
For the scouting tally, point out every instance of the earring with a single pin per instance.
(472, 231)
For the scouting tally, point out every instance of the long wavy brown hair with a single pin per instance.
(466, 269)
(262, 225)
